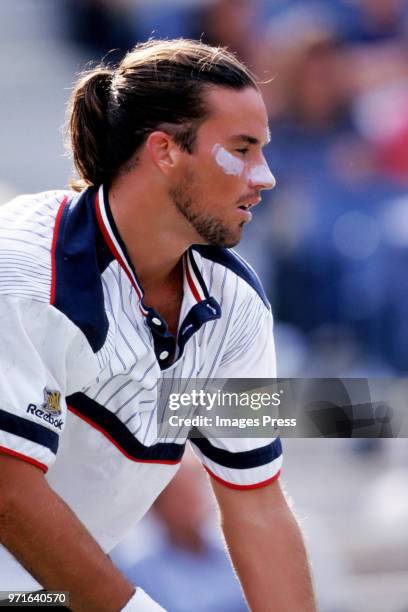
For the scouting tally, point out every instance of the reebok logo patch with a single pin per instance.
(49, 410)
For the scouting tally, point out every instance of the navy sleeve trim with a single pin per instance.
(242, 460)
(231, 260)
(108, 423)
(34, 432)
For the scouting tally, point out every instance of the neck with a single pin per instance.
(151, 228)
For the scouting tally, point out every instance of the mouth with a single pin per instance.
(245, 208)
(250, 203)
(245, 212)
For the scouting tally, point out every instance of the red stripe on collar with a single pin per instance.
(115, 252)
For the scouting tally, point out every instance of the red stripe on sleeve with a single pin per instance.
(54, 247)
(231, 485)
(13, 453)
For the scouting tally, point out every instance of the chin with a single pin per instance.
(226, 242)
(218, 234)
(236, 238)
(232, 243)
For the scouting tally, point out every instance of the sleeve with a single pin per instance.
(244, 463)
(34, 339)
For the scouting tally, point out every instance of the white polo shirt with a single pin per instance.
(83, 362)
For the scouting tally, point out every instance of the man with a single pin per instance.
(103, 297)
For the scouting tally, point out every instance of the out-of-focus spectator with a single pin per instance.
(373, 21)
(316, 85)
(233, 23)
(381, 116)
(101, 26)
(239, 25)
(188, 569)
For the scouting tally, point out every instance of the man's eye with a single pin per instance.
(242, 151)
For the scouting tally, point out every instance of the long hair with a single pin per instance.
(160, 84)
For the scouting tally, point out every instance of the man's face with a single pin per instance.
(222, 179)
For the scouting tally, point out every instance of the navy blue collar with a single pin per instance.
(198, 306)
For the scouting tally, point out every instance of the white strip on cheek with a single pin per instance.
(261, 175)
(228, 162)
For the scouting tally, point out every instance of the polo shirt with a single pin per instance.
(85, 363)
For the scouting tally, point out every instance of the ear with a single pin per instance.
(163, 151)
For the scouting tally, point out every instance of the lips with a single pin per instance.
(245, 213)
(249, 204)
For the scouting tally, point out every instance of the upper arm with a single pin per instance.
(17, 476)
(34, 338)
(250, 351)
(22, 486)
(244, 463)
(250, 506)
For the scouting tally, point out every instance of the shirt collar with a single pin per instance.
(195, 288)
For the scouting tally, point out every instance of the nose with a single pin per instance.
(260, 177)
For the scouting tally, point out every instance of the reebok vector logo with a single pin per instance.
(49, 410)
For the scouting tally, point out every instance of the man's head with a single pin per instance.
(159, 84)
(222, 178)
(197, 105)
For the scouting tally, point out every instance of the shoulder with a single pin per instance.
(27, 221)
(50, 253)
(26, 233)
(228, 260)
(29, 205)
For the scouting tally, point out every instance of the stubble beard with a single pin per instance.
(213, 231)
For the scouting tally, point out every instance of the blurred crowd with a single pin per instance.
(330, 243)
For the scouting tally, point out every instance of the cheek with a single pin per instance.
(228, 163)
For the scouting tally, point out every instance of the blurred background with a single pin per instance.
(330, 244)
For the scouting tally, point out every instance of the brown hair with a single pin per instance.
(160, 84)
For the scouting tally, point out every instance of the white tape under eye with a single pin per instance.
(228, 162)
(261, 175)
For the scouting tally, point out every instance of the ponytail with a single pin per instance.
(89, 126)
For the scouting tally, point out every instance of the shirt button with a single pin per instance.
(164, 355)
(156, 321)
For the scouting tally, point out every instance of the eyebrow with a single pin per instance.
(251, 139)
